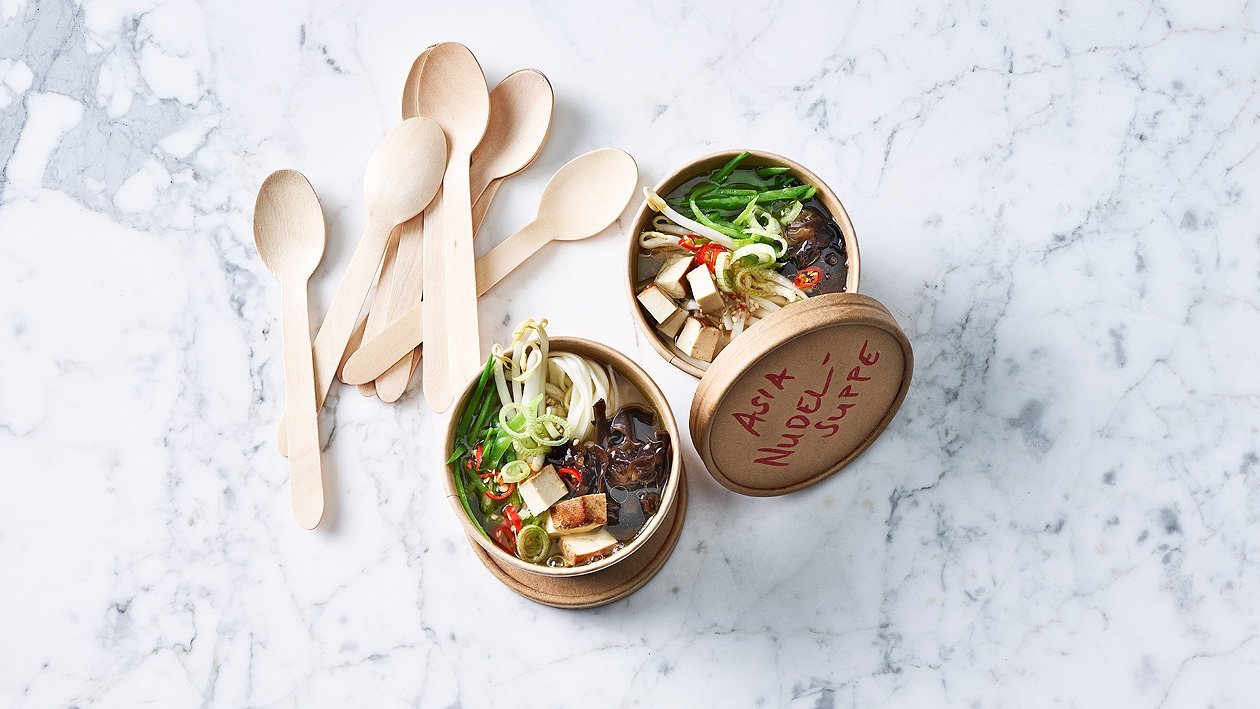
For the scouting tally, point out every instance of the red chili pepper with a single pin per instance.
(505, 537)
(504, 496)
(688, 242)
(477, 456)
(572, 474)
(513, 517)
(807, 278)
(707, 254)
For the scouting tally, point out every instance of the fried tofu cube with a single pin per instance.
(698, 340)
(541, 490)
(672, 275)
(673, 324)
(579, 549)
(704, 291)
(659, 305)
(578, 515)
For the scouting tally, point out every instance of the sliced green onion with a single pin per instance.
(550, 430)
(515, 471)
(524, 450)
(763, 254)
(722, 271)
(747, 214)
(512, 414)
(532, 543)
(790, 212)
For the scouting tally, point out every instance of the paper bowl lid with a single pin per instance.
(800, 394)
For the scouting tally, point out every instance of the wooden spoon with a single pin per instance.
(356, 337)
(289, 234)
(520, 117)
(582, 199)
(453, 92)
(402, 176)
(403, 254)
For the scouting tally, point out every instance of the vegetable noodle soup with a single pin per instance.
(558, 460)
(729, 248)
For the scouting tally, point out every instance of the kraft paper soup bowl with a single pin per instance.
(698, 167)
(648, 541)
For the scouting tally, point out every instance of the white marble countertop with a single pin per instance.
(1058, 203)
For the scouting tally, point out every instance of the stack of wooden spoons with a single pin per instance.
(428, 186)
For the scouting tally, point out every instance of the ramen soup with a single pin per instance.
(557, 460)
(731, 247)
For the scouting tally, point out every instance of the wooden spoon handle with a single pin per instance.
(376, 318)
(391, 385)
(408, 331)
(463, 333)
(482, 205)
(437, 387)
(507, 256)
(405, 289)
(334, 333)
(306, 482)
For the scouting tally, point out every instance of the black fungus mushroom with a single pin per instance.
(808, 236)
(627, 454)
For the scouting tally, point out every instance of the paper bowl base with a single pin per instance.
(601, 587)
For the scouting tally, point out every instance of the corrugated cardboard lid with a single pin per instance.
(801, 394)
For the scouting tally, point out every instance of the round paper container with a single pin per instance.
(657, 526)
(702, 166)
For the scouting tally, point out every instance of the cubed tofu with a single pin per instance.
(542, 489)
(578, 515)
(659, 305)
(673, 324)
(704, 290)
(580, 548)
(672, 277)
(698, 339)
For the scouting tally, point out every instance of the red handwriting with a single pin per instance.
(761, 402)
(811, 412)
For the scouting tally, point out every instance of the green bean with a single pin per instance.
(771, 171)
(721, 176)
(723, 227)
(732, 192)
(463, 430)
(460, 450)
(801, 192)
(487, 409)
(462, 490)
(701, 189)
(719, 193)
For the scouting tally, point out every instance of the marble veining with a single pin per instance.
(1057, 200)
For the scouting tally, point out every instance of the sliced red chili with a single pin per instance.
(513, 517)
(572, 474)
(477, 456)
(708, 253)
(499, 498)
(807, 278)
(688, 242)
(505, 537)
